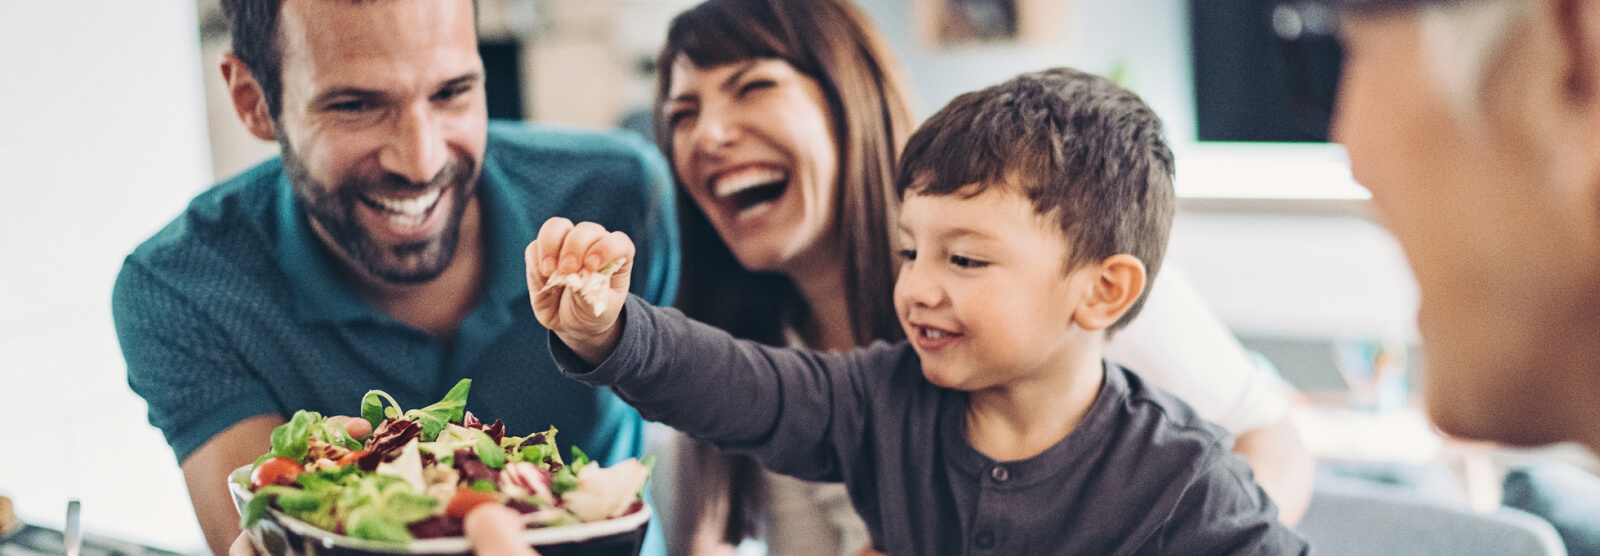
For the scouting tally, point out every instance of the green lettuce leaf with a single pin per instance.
(378, 507)
(566, 479)
(491, 453)
(370, 524)
(649, 463)
(433, 418)
(290, 440)
(256, 509)
(543, 446)
(579, 459)
(536, 453)
(373, 410)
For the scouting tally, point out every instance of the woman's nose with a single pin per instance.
(715, 129)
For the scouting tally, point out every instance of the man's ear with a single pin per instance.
(249, 102)
(1117, 282)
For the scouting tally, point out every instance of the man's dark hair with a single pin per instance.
(254, 25)
(1085, 151)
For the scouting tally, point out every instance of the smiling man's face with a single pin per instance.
(383, 128)
(1480, 152)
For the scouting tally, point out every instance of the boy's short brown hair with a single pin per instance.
(1083, 149)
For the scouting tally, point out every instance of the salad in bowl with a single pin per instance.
(405, 488)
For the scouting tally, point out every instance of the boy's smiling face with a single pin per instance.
(981, 293)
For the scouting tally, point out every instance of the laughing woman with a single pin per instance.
(783, 120)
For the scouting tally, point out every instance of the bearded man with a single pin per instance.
(382, 250)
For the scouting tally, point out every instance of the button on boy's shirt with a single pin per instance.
(1141, 474)
(235, 309)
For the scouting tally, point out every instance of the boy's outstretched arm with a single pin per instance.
(799, 412)
(578, 280)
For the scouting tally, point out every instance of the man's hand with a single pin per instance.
(247, 545)
(561, 262)
(496, 530)
(357, 427)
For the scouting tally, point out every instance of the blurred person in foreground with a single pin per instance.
(380, 251)
(1476, 125)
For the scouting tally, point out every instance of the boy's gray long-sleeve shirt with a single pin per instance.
(1141, 474)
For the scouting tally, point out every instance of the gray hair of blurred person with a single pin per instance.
(1461, 40)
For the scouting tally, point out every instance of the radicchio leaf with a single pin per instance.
(521, 506)
(496, 431)
(386, 442)
(473, 469)
(435, 527)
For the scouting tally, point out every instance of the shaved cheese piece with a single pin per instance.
(588, 285)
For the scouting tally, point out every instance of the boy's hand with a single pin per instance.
(578, 277)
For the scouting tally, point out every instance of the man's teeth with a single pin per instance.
(743, 180)
(413, 209)
(406, 220)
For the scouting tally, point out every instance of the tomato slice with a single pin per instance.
(465, 499)
(275, 471)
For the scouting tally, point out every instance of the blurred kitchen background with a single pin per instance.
(112, 116)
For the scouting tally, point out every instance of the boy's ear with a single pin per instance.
(248, 100)
(1117, 282)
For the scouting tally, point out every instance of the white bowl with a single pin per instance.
(283, 535)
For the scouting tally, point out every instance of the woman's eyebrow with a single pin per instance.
(733, 79)
(728, 84)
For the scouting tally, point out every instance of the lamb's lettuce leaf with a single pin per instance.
(489, 451)
(291, 439)
(373, 410)
(433, 418)
(378, 507)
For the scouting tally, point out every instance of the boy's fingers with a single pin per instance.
(615, 245)
(547, 247)
(575, 250)
(534, 257)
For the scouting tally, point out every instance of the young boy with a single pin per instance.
(1035, 214)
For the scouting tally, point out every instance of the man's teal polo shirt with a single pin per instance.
(235, 308)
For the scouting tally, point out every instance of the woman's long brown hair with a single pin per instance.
(832, 42)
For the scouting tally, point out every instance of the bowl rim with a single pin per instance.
(542, 536)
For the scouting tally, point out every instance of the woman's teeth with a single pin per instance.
(745, 180)
(932, 334)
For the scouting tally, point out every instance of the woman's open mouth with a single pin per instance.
(749, 192)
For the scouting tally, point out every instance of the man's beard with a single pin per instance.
(334, 208)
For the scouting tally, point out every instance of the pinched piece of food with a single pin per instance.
(587, 284)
